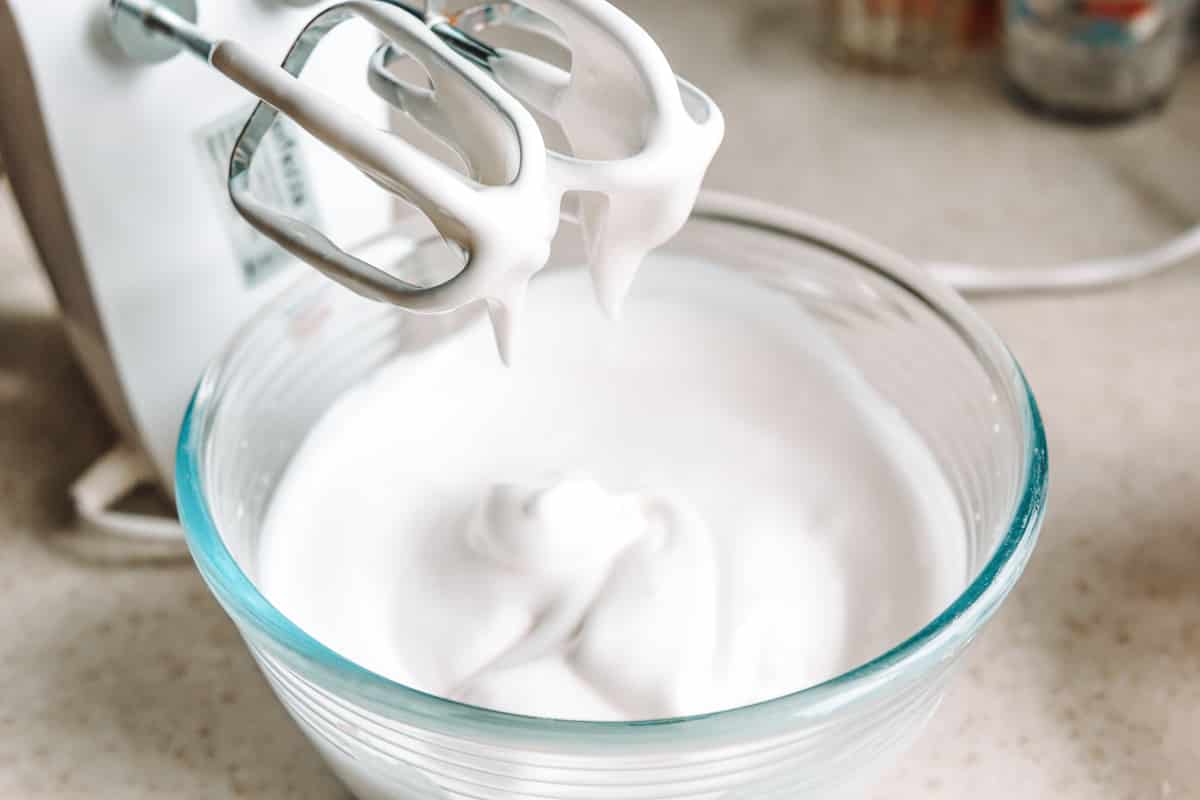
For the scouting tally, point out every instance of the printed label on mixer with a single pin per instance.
(279, 177)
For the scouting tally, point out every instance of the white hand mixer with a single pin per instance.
(642, 140)
(122, 173)
(153, 277)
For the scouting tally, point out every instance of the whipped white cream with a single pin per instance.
(701, 507)
(586, 561)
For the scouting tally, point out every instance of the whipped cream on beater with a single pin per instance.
(702, 507)
(641, 139)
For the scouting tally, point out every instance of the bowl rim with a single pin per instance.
(936, 643)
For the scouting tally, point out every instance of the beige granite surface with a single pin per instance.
(130, 682)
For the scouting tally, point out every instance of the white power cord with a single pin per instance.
(1087, 274)
(106, 481)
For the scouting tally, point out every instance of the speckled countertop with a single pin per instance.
(131, 683)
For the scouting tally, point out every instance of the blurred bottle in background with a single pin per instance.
(1095, 60)
(910, 35)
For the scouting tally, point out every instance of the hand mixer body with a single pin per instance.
(120, 169)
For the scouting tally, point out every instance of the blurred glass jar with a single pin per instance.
(910, 35)
(1095, 59)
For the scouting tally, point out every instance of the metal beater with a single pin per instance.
(500, 218)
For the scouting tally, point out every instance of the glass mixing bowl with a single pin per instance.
(917, 342)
